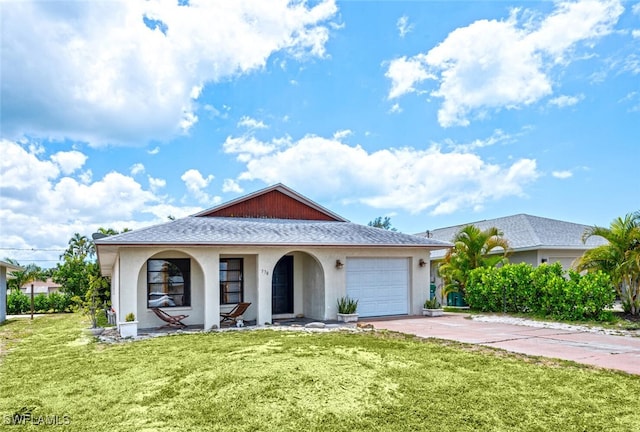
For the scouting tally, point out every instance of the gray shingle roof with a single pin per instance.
(239, 231)
(529, 232)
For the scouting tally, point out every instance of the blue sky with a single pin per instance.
(119, 114)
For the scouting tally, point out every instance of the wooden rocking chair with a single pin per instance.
(171, 320)
(236, 312)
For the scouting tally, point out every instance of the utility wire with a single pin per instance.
(33, 249)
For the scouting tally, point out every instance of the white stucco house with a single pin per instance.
(4, 268)
(532, 239)
(278, 250)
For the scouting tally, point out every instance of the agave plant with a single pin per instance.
(347, 305)
(432, 304)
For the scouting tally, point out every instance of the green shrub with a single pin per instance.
(59, 302)
(41, 303)
(546, 290)
(18, 302)
(484, 290)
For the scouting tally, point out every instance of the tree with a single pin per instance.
(79, 269)
(97, 286)
(19, 278)
(80, 247)
(385, 223)
(472, 249)
(73, 275)
(620, 258)
(107, 231)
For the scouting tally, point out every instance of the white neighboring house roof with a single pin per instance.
(525, 232)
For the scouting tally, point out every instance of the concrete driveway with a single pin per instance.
(597, 349)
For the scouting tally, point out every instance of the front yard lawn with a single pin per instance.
(291, 380)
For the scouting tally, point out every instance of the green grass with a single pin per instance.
(277, 380)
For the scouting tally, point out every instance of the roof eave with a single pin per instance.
(10, 267)
(271, 244)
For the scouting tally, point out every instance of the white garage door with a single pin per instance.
(381, 285)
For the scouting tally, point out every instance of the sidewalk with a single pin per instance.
(607, 351)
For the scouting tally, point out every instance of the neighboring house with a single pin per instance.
(4, 268)
(274, 248)
(534, 240)
(41, 287)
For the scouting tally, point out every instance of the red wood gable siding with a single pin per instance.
(271, 205)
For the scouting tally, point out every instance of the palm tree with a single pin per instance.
(620, 258)
(80, 247)
(19, 278)
(472, 249)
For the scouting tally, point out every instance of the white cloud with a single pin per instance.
(86, 177)
(631, 64)
(136, 169)
(562, 174)
(156, 183)
(410, 179)
(231, 185)
(405, 73)
(635, 33)
(196, 183)
(69, 161)
(339, 135)
(403, 26)
(251, 123)
(154, 151)
(497, 137)
(633, 100)
(395, 108)
(95, 72)
(565, 101)
(42, 206)
(247, 146)
(636, 8)
(491, 64)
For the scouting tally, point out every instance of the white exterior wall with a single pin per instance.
(115, 289)
(3, 293)
(317, 282)
(418, 276)
(565, 257)
(313, 300)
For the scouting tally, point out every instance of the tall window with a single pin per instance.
(168, 282)
(231, 287)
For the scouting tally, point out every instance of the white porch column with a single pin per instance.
(211, 268)
(264, 267)
(130, 265)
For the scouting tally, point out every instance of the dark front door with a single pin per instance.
(282, 287)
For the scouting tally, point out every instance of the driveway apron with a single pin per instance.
(596, 349)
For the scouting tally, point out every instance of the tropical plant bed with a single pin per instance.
(284, 380)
